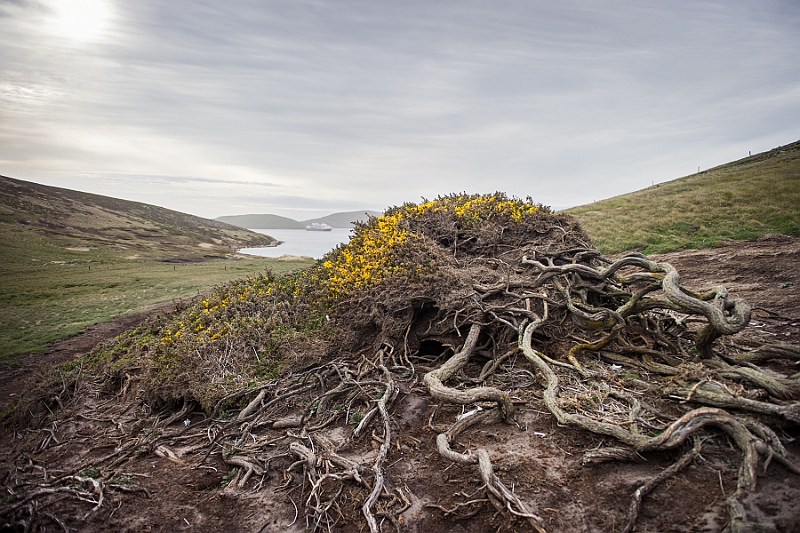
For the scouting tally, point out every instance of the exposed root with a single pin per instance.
(504, 499)
(436, 378)
(710, 393)
(616, 348)
(665, 474)
(377, 468)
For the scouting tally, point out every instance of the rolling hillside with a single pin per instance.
(343, 220)
(741, 200)
(266, 221)
(255, 221)
(70, 259)
(41, 222)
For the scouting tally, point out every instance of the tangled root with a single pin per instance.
(535, 288)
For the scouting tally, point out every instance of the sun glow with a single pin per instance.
(81, 20)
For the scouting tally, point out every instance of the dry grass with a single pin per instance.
(46, 301)
(742, 200)
(70, 259)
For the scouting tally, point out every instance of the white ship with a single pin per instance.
(318, 226)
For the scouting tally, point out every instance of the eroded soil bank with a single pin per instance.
(539, 460)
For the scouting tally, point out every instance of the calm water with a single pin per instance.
(301, 242)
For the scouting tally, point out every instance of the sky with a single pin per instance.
(302, 108)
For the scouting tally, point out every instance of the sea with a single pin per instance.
(301, 242)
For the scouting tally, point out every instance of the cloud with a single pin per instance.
(368, 105)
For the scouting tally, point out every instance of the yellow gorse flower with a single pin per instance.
(371, 255)
(380, 248)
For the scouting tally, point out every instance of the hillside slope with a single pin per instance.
(263, 221)
(741, 200)
(267, 221)
(344, 219)
(40, 221)
(70, 259)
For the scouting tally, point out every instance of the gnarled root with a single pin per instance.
(377, 468)
(715, 395)
(503, 498)
(647, 487)
(686, 426)
(435, 379)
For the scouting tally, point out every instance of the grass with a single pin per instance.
(70, 259)
(742, 200)
(44, 301)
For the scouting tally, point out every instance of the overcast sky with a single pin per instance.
(303, 108)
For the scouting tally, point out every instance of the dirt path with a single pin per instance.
(14, 378)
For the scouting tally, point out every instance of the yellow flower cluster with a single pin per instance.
(372, 253)
(219, 314)
(473, 207)
(368, 258)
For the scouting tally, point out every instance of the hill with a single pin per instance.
(267, 221)
(741, 200)
(70, 259)
(40, 221)
(343, 219)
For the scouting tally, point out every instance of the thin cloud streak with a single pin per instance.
(346, 104)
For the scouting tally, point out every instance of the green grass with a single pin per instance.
(742, 200)
(42, 301)
(70, 259)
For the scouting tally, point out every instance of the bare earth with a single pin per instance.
(538, 459)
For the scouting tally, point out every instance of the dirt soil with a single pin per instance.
(538, 459)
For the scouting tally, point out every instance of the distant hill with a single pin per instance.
(261, 222)
(38, 221)
(265, 221)
(343, 220)
(741, 200)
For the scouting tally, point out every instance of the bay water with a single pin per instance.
(301, 242)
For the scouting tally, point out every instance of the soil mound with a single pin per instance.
(469, 357)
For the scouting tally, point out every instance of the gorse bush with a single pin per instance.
(385, 245)
(460, 301)
(239, 334)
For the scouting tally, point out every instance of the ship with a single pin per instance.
(318, 226)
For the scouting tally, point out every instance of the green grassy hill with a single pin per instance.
(70, 259)
(742, 200)
(40, 221)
